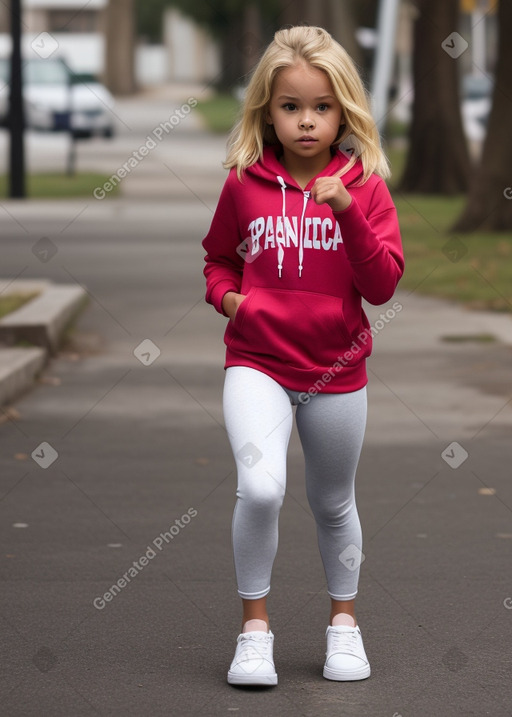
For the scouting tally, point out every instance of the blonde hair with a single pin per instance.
(318, 48)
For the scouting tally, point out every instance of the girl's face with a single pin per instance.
(306, 116)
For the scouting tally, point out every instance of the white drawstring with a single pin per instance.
(280, 247)
(301, 241)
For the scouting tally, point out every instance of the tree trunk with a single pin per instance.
(336, 17)
(343, 25)
(233, 46)
(489, 203)
(293, 13)
(252, 39)
(119, 73)
(438, 159)
(316, 13)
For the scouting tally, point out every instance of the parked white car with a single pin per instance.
(58, 100)
(476, 105)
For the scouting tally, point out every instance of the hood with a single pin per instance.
(269, 169)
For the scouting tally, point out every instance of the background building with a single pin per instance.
(187, 53)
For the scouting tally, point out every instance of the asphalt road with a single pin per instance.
(141, 490)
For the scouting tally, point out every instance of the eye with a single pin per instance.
(323, 107)
(289, 106)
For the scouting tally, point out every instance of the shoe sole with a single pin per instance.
(340, 676)
(267, 680)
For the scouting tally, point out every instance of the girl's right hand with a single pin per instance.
(230, 303)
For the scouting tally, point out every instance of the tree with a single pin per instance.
(338, 18)
(438, 158)
(119, 73)
(489, 204)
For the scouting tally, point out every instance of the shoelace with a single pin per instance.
(346, 642)
(251, 651)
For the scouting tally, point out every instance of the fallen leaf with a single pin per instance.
(487, 491)
(11, 414)
(50, 380)
(69, 355)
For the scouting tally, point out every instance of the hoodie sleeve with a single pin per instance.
(224, 266)
(373, 245)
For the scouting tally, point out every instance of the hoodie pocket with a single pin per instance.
(302, 329)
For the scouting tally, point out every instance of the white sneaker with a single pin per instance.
(253, 663)
(346, 658)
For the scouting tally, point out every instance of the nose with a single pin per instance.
(306, 123)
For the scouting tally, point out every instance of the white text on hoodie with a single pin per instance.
(267, 232)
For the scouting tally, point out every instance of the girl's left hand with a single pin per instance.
(332, 191)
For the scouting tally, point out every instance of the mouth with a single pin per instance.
(307, 140)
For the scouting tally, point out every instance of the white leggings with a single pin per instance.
(258, 417)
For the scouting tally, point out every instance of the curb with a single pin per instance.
(18, 371)
(42, 322)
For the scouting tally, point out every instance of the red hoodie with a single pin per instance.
(304, 269)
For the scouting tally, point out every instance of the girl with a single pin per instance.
(301, 233)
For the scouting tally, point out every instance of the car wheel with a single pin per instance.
(81, 134)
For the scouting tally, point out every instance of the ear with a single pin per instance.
(268, 118)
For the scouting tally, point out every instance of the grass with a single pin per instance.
(60, 186)
(220, 112)
(14, 301)
(474, 269)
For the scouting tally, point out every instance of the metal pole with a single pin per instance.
(383, 60)
(71, 168)
(16, 113)
(478, 37)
